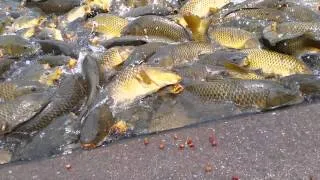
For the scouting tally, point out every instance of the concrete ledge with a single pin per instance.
(282, 144)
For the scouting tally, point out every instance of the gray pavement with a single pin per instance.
(282, 144)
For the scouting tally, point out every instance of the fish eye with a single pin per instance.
(33, 89)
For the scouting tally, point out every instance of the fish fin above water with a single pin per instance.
(197, 26)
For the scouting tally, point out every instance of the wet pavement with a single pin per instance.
(281, 144)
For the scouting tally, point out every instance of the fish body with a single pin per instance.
(26, 22)
(50, 33)
(143, 79)
(297, 46)
(141, 53)
(234, 38)
(257, 14)
(151, 25)
(57, 48)
(53, 61)
(91, 71)
(12, 90)
(274, 63)
(67, 96)
(202, 8)
(133, 41)
(97, 124)
(20, 110)
(152, 9)
(307, 84)
(260, 94)
(16, 46)
(54, 6)
(281, 31)
(107, 24)
(177, 54)
(115, 56)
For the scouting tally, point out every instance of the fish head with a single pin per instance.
(96, 127)
(26, 49)
(163, 60)
(30, 87)
(161, 76)
(280, 96)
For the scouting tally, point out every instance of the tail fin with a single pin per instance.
(197, 26)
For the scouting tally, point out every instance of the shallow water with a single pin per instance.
(153, 113)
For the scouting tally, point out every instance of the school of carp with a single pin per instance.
(81, 73)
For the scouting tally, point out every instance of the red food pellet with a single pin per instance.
(161, 146)
(189, 141)
(181, 146)
(191, 145)
(145, 141)
(175, 136)
(235, 178)
(213, 140)
(208, 168)
(68, 166)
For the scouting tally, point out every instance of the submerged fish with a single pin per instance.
(156, 26)
(281, 31)
(298, 46)
(60, 136)
(274, 63)
(305, 83)
(5, 64)
(20, 110)
(57, 48)
(300, 13)
(16, 46)
(26, 22)
(50, 33)
(257, 14)
(141, 53)
(143, 79)
(133, 41)
(71, 91)
(234, 38)
(53, 60)
(260, 94)
(54, 6)
(153, 9)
